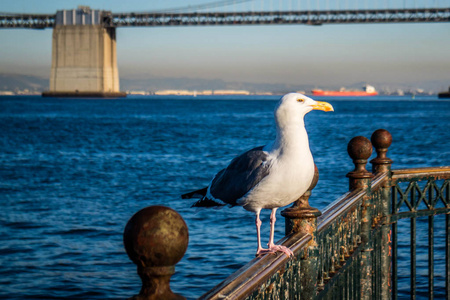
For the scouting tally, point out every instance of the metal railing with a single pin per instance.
(411, 200)
(350, 251)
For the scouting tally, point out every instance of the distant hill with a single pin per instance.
(16, 82)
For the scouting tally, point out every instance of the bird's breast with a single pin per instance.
(288, 179)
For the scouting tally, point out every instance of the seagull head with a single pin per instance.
(294, 106)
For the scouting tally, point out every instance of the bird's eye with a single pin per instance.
(300, 100)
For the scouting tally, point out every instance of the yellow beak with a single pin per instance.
(321, 105)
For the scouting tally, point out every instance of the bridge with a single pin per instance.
(315, 17)
(84, 61)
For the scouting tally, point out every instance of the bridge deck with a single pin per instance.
(317, 17)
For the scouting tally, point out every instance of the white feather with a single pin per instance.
(291, 161)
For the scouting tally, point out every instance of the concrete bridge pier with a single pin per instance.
(84, 59)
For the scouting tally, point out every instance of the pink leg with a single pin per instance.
(258, 233)
(273, 219)
(272, 247)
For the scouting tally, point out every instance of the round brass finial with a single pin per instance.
(359, 147)
(155, 239)
(156, 236)
(381, 139)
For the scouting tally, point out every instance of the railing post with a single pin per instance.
(359, 149)
(301, 217)
(381, 140)
(155, 239)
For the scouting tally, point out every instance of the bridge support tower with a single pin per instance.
(84, 59)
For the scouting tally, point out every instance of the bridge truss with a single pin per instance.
(286, 17)
(317, 17)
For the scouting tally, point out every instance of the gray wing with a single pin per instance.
(241, 175)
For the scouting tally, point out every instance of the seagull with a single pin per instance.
(270, 176)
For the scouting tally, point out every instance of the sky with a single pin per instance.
(328, 55)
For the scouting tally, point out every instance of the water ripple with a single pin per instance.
(72, 172)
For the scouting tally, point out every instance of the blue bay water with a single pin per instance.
(72, 172)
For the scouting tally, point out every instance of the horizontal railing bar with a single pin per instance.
(345, 202)
(378, 180)
(242, 282)
(418, 213)
(340, 206)
(422, 173)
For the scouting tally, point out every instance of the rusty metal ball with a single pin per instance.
(156, 236)
(381, 138)
(359, 148)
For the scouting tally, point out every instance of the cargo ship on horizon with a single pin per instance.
(368, 90)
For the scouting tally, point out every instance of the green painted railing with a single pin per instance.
(349, 251)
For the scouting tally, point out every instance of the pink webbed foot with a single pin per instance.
(273, 249)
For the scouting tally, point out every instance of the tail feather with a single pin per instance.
(206, 202)
(195, 194)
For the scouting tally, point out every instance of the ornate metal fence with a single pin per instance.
(350, 251)
(412, 200)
